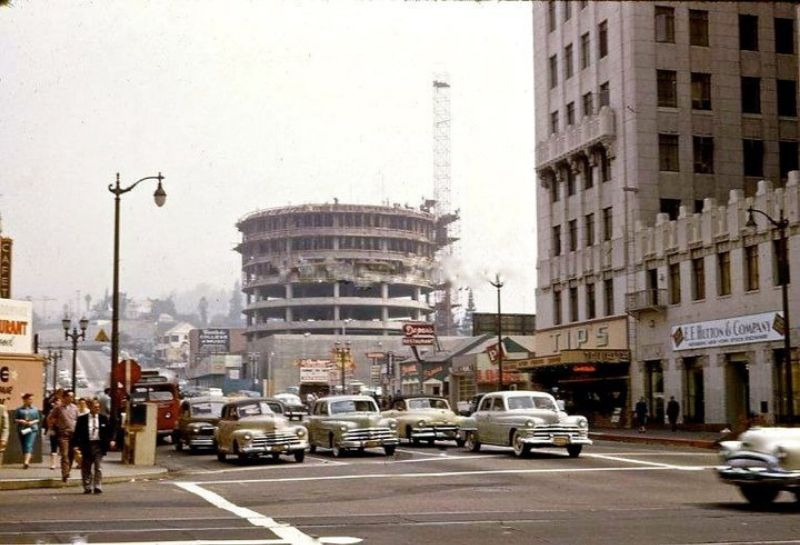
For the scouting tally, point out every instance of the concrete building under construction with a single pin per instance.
(327, 268)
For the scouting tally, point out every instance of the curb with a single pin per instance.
(50, 482)
(625, 438)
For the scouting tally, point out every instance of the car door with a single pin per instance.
(222, 427)
(482, 420)
(313, 423)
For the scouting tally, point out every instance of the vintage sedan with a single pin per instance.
(295, 408)
(424, 418)
(197, 422)
(341, 423)
(249, 428)
(762, 462)
(524, 420)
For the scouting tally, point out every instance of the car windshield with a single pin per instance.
(427, 403)
(256, 408)
(207, 409)
(276, 407)
(146, 394)
(530, 402)
(354, 406)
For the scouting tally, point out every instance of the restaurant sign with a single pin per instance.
(764, 327)
(15, 327)
(611, 334)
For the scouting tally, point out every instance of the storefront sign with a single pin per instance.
(15, 327)
(601, 334)
(418, 333)
(437, 371)
(493, 352)
(213, 341)
(765, 327)
(317, 371)
(595, 356)
(408, 371)
(5, 267)
(20, 375)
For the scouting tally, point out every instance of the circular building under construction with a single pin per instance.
(336, 268)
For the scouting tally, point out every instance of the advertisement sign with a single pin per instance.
(595, 356)
(20, 374)
(5, 267)
(510, 324)
(316, 371)
(764, 327)
(601, 334)
(15, 327)
(418, 333)
(213, 341)
(493, 352)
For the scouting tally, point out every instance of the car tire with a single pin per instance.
(336, 450)
(521, 450)
(221, 456)
(389, 450)
(312, 448)
(299, 456)
(459, 442)
(471, 443)
(241, 456)
(176, 440)
(275, 456)
(574, 450)
(759, 496)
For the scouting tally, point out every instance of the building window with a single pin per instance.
(608, 223)
(667, 88)
(698, 279)
(751, 95)
(787, 98)
(573, 235)
(698, 27)
(556, 194)
(589, 231)
(751, 267)
(670, 207)
(788, 157)
(570, 181)
(588, 108)
(665, 24)
(586, 53)
(608, 295)
(584, 3)
(554, 122)
(605, 167)
(784, 36)
(573, 304)
(675, 283)
(777, 273)
(567, 10)
(570, 114)
(701, 91)
(588, 175)
(668, 153)
(557, 317)
(551, 16)
(553, 71)
(590, 302)
(568, 62)
(605, 95)
(724, 273)
(602, 39)
(748, 32)
(753, 151)
(703, 154)
(557, 240)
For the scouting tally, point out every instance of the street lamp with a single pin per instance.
(341, 356)
(160, 196)
(53, 356)
(75, 336)
(783, 276)
(499, 285)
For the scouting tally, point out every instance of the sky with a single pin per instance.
(245, 105)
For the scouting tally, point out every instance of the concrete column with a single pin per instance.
(336, 289)
(417, 293)
(288, 290)
(384, 290)
(384, 314)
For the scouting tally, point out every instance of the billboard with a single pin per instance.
(418, 333)
(511, 324)
(213, 341)
(768, 326)
(315, 371)
(15, 327)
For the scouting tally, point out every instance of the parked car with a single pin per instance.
(197, 422)
(295, 408)
(249, 428)
(424, 418)
(762, 462)
(472, 405)
(524, 420)
(341, 423)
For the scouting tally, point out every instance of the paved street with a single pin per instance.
(614, 493)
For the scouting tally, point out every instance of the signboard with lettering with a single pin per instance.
(595, 356)
(764, 327)
(418, 333)
(601, 334)
(510, 324)
(493, 352)
(213, 341)
(6, 245)
(315, 371)
(15, 327)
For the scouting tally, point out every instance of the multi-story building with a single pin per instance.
(643, 108)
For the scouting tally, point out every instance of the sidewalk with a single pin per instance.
(697, 439)
(13, 477)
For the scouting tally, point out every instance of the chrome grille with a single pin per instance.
(557, 429)
(369, 434)
(275, 438)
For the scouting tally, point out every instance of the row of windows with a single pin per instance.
(588, 177)
(345, 243)
(667, 93)
(552, 19)
(699, 30)
(703, 155)
(590, 301)
(585, 55)
(588, 232)
(588, 108)
(348, 219)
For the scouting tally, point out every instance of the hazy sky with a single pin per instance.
(247, 105)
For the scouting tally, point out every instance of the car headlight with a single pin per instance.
(167, 414)
(392, 424)
(421, 423)
(781, 453)
(530, 423)
(583, 423)
(247, 437)
(301, 432)
(343, 427)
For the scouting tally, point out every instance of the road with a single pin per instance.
(94, 365)
(613, 494)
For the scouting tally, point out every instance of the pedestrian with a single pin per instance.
(641, 414)
(64, 419)
(93, 437)
(673, 410)
(50, 426)
(27, 418)
(105, 401)
(4, 426)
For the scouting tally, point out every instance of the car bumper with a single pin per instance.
(369, 443)
(557, 441)
(280, 448)
(748, 476)
(434, 433)
(200, 441)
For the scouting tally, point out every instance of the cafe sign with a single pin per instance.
(764, 327)
(15, 327)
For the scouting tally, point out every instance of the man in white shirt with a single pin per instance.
(93, 435)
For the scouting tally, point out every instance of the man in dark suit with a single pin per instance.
(93, 436)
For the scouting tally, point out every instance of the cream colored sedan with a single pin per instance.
(425, 418)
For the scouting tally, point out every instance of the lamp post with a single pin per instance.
(341, 356)
(783, 275)
(53, 356)
(160, 196)
(499, 285)
(75, 336)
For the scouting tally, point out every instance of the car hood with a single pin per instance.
(210, 421)
(433, 415)
(264, 423)
(361, 420)
(545, 416)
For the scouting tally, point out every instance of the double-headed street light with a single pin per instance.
(160, 197)
(781, 225)
(341, 355)
(499, 285)
(75, 336)
(53, 356)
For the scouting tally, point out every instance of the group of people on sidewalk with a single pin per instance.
(77, 432)
(641, 412)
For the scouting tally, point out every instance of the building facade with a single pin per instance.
(645, 110)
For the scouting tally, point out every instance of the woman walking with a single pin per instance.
(27, 418)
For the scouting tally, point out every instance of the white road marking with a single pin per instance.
(258, 468)
(645, 463)
(289, 535)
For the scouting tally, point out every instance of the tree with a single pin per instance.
(235, 306)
